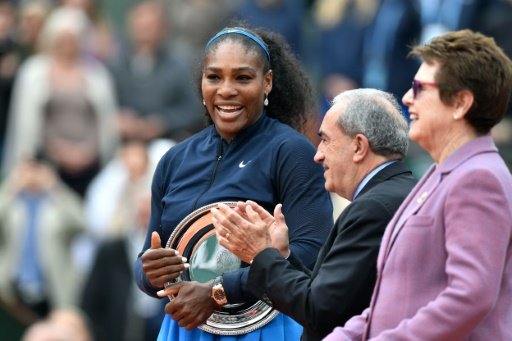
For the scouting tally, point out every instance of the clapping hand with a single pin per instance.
(248, 229)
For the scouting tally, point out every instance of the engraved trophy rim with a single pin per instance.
(235, 319)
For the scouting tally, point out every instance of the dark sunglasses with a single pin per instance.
(417, 86)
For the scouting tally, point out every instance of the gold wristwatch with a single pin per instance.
(218, 294)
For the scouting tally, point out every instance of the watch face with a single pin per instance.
(219, 295)
(195, 238)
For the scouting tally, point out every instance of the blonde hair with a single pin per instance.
(60, 20)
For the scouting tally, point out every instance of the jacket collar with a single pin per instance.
(386, 173)
(251, 130)
(482, 144)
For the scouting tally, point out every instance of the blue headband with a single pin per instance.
(244, 33)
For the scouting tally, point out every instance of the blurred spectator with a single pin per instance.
(74, 321)
(280, 16)
(10, 59)
(64, 324)
(39, 217)
(46, 331)
(21, 3)
(118, 311)
(155, 90)
(134, 172)
(63, 105)
(386, 65)
(341, 26)
(32, 16)
(496, 21)
(194, 22)
(115, 13)
(99, 39)
(109, 199)
(440, 16)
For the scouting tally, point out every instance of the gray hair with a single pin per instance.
(377, 115)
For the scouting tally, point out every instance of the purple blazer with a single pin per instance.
(445, 262)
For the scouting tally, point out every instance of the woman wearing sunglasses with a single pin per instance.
(445, 263)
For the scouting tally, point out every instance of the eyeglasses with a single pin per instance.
(417, 86)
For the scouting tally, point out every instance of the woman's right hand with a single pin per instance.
(162, 265)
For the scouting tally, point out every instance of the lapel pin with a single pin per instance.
(422, 198)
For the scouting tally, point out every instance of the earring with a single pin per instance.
(204, 102)
(455, 117)
(265, 102)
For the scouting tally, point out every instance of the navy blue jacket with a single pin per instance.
(268, 162)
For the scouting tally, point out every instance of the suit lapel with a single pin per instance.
(385, 244)
(411, 206)
(386, 173)
(426, 186)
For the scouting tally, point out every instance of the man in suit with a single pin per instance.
(363, 140)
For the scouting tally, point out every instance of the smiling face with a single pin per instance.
(431, 119)
(234, 87)
(335, 152)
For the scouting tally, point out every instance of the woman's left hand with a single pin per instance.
(192, 303)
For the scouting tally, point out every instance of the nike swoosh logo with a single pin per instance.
(242, 164)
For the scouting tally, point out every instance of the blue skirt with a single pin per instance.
(281, 328)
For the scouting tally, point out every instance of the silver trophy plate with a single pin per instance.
(195, 238)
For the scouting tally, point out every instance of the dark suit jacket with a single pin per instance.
(342, 281)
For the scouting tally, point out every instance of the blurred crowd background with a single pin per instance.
(93, 92)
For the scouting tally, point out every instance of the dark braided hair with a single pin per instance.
(291, 100)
